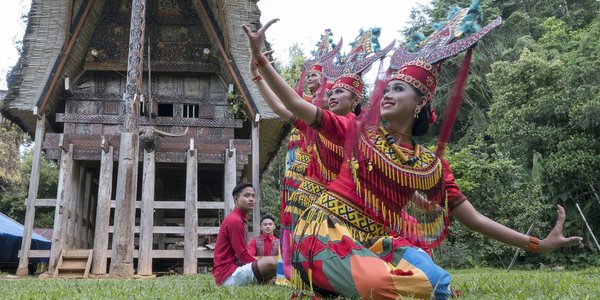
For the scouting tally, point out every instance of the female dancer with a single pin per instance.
(341, 242)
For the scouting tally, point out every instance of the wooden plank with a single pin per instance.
(62, 194)
(171, 253)
(158, 121)
(45, 202)
(202, 230)
(147, 214)
(160, 219)
(86, 211)
(190, 262)
(230, 178)
(70, 234)
(39, 253)
(179, 204)
(103, 212)
(34, 180)
(256, 176)
(80, 208)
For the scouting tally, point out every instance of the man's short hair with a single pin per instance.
(268, 216)
(238, 188)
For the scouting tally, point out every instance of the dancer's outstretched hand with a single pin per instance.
(257, 39)
(555, 238)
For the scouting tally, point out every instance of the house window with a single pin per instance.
(191, 110)
(165, 110)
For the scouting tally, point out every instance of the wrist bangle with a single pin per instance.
(260, 62)
(257, 78)
(533, 245)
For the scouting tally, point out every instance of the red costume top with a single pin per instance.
(230, 249)
(376, 181)
(264, 245)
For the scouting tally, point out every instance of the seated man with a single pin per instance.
(265, 244)
(233, 265)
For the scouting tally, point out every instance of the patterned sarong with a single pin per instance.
(306, 194)
(338, 250)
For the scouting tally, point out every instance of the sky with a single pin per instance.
(298, 24)
(13, 29)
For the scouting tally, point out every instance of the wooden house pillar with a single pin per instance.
(147, 213)
(71, 205)
(121, 263)
(79, 209)
(85, 216)
(62, 206)
(34, 180)
(256, 176)
(230, 178)
(103, 210)
(190, 246)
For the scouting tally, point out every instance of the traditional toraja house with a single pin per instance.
(92, 88)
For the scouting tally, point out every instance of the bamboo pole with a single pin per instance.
(518, 249)
(587, 225)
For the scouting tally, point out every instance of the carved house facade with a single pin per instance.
(67, 91)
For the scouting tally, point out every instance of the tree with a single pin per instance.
(13, 199)
(548, 102)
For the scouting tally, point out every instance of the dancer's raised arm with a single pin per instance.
(303, 110)
(267, 94)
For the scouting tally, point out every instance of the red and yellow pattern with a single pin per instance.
(330, 260)
(412, 200)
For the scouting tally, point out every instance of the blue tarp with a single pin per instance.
(11, 234)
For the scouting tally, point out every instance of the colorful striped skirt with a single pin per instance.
(338, 250)
(307, 193)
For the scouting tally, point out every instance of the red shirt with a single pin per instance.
(230, 249)
(267, 238)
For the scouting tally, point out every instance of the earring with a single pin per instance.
(417, 111)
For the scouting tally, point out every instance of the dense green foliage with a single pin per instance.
(12, 199)
(472, 284)
(528, 131)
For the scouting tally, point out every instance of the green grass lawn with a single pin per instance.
(473, 284)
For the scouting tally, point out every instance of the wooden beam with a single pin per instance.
(202, 230)
(256, 176)
(178, 204)
(157, 121)
(190, 261)
(72, 197)
(155, 253)
(230, 178)
(147, 214)
(103, 212)
(61, 211)
(34, 180)
(80, 209)
(87, 199)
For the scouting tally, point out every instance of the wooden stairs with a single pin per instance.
(74, 263)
